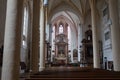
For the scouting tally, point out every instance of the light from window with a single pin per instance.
(60, 29)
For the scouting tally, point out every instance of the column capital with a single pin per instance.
(41, 3)
(92, 3)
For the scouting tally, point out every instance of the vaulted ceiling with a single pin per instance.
(78, 7)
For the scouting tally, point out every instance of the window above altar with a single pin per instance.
(60, 29)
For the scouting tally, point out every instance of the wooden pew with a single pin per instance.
(92, 74)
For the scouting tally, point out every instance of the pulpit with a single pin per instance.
(87, 48)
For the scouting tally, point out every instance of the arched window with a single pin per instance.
(25, 22)
(60, 29)
(25, 26)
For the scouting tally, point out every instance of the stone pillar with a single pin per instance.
(42, 38)
(115, 33)
(50, 33)
(45, 33)
(35, 36)
(96, 56)
(79, 41)
(82, 26)
(56, 32)
(12, 40)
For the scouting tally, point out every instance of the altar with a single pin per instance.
(61, 49)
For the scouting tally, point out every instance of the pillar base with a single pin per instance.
(34, 71)
(41, 69)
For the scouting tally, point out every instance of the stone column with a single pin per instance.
(35, 36)
(45, 33)
(79, 41)
(12, 40)
(56, 32)
(50, 33)
(42, 38)
(96, 56)
(115, 33)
